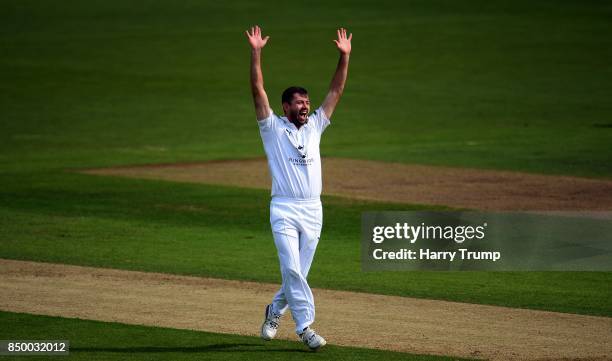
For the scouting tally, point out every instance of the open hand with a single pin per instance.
(343, 43)
(255, 39)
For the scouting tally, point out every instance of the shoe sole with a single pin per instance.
(318, 347)
(265, 338)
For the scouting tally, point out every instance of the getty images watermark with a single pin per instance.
(486, 241)
(412, 233)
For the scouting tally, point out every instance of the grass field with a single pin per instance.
(500, 85)
(506, 85)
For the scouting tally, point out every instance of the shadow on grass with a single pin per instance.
(223, 347)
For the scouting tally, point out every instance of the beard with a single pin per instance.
(299, 115)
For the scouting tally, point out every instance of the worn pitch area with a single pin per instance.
(224, 306)
(403, 183)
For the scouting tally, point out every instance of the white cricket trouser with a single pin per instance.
(296, 226)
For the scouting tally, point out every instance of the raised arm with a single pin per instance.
(337, 84)
(260, 98)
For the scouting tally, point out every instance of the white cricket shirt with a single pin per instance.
(293, 155)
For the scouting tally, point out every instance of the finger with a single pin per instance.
(336, 41)
(350, 37)
(252, 31)
(266, 39)
(344, 33)
(338, 31)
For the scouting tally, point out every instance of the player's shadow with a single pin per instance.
(221, 347)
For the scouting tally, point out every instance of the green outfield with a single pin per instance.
(517, 86)
(505, 85)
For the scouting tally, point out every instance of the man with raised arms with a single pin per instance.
(291, 143)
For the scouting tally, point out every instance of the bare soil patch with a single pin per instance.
(344, 318)
(404, 183)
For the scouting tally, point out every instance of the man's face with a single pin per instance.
(298, 109)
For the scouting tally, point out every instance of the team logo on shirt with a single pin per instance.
(301, 161)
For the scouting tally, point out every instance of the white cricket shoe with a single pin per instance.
(311, 339)
(270, 324)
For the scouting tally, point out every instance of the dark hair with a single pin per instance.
(288, 93)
